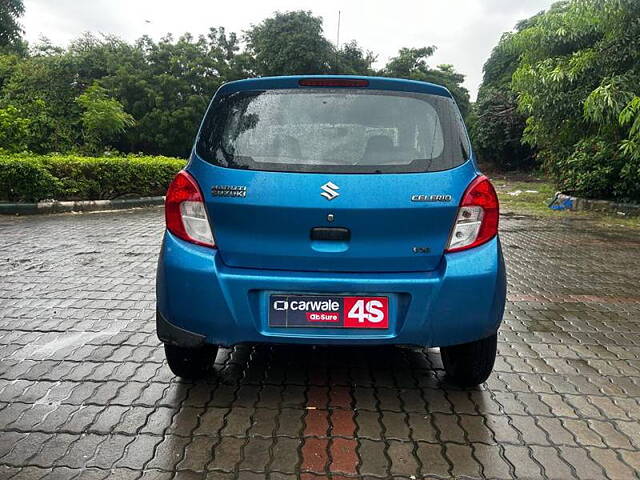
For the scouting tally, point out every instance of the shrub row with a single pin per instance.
(598, 170)
(32, 178)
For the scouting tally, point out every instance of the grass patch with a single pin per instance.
(531, 195)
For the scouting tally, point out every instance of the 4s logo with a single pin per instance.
(370, 311)
(363, 312)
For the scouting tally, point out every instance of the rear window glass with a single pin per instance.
(334, 131)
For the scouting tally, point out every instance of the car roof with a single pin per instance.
(375, 83)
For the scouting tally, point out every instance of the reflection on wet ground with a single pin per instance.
(85, 391)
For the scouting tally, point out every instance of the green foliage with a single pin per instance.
(14, 128)
(577, 80)
(103, 117)
(68, 177)
(42, 88)
(497, 132)
(590, 170)
(8, 64)
(292, 43)
(102, 93)
(168, 86)
(598, 169)
(165, 86)
(412, 63)
(25, 179)
(351, 59)
(499, 67)
(10, 30)
(289, 43)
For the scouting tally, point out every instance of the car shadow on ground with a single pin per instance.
(400, 393)
(384, 366)
(348, 368)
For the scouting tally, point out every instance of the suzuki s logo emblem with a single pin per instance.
(330, 190)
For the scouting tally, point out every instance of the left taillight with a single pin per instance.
(184, 211)
(477, 220)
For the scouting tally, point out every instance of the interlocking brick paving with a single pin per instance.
(85, 391)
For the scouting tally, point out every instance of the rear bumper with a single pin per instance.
(462, 301)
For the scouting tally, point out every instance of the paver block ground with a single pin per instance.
(85, 391)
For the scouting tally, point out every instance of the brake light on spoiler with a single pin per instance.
(333, 82)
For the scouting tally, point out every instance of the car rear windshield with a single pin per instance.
(334, 131)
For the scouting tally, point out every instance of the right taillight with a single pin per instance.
(184, 211)
(477, 220)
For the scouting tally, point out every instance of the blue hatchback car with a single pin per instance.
(331, 211)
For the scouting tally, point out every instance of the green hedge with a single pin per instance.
(31, 178)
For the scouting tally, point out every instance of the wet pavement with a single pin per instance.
(85, 391)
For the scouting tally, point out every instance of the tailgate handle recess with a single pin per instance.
(336, 234)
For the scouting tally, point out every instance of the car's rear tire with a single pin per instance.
(191, 362)
(470, 364)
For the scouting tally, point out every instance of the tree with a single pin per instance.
(578, 82)
(289, 43)
(102, 117)
(14, 128)
(412, 63)
(10, 29)
(8, 64)
(498, 127)
(82, 94)
(169, 86)
(497, 130)
(351, 59)
(43, 88)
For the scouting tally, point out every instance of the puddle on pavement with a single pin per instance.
(542, 326)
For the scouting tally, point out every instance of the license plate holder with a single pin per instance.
(328, 311)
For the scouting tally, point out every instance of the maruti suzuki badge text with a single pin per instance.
(332, 210)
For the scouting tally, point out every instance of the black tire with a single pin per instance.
(191, 363)
(470, 364)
